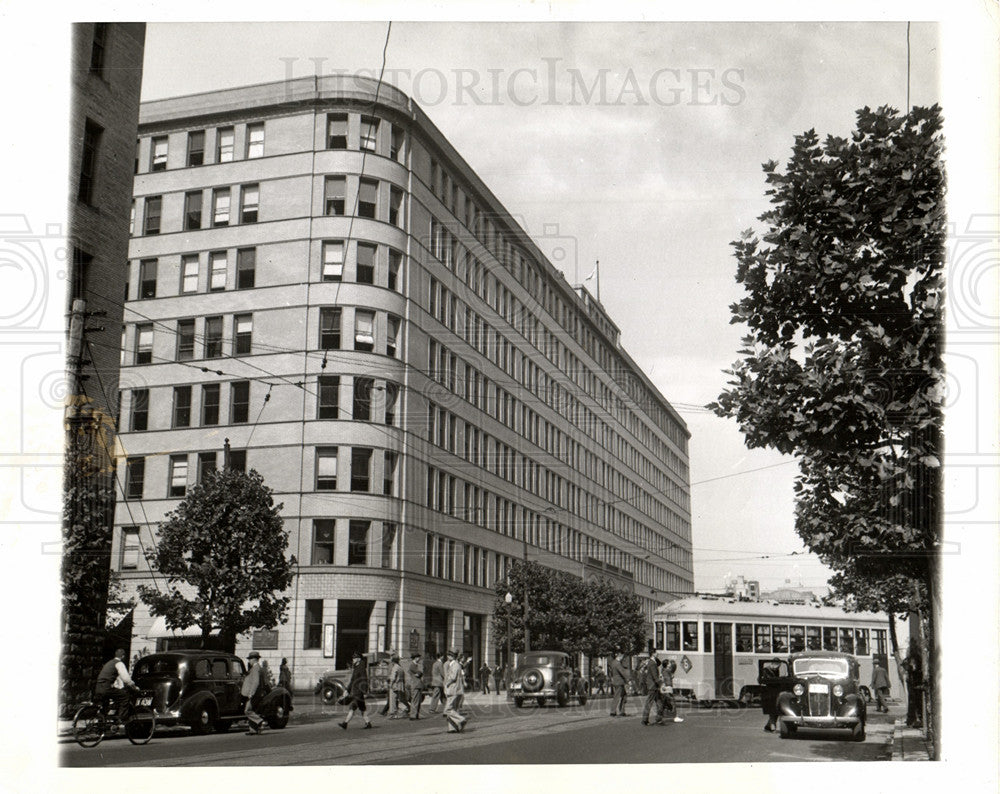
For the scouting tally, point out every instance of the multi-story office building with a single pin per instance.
(319, 277)
(106, 79)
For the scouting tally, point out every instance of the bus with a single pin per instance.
(717, 644)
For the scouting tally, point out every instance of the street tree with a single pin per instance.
(842, 365)
(225, 544)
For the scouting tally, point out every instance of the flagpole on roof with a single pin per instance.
(597, 270)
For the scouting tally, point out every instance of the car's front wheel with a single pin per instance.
(279, 717)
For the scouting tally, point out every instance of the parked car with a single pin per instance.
(819, 690)
(332, 684)
(543, 676)
(201, 689)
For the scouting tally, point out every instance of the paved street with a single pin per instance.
(496, 734)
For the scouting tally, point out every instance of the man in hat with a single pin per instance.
(454, 690)
(397, 689)
(357, 688)
(437, 683)
(619, 685)
(652, 681)
(414, 674)
(251, 692)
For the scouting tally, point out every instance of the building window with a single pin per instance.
(246, 268)
(334, 195)
(363, 399)
(324, 530)
(361, 465)
(391, 396)
(135, 475)
(357, 543)
(97, 48)
(206, 465)
(185, 340)
(147, 278)
(326, 469)
(329, 328)
(210, 404)
(220, 206)
(391, 335)
(182, 406)
(139, 419)
(369, 133)
(364, 330)
(144, 343)
(249, 203)
(389, 474)
(151, 215)
(158, 154)
(88, 162)
(224, 145)
(196, 148)
(189, 273)
(395, 206)
(237, 460)
(336, 131)
(213, 337)
(396, 143)
(366, 263)
(333, 260)
(328, 397)
(192, 210)
(395, 260)
(239, 402)
(314, 624)
(367, 198)
(130, 548)
(242, 339)
(218, 265)
(178, 475)
(255, 140)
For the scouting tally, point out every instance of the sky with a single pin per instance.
(635, 145)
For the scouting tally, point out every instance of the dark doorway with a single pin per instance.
(352, 630)
(436, 631)
(723, 636)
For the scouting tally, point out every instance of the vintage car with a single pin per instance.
(332, 684)
(819, 689)
(201, 689)
(546, 675)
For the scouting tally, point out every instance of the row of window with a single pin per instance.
(223, 151)
(248, 200)
(458, 317)
(364, 133)
(456, 561)
(768, 638)
(490, 398)
(525, 271)
(177, 479)
(360, 542)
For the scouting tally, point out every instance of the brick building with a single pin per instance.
(319, 277)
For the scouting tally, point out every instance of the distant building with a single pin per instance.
(791, 595)
(743, 589)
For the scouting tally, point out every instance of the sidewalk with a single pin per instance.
(908, 744)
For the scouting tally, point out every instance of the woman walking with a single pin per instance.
(357, 688)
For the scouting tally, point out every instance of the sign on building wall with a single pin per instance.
(265, 640)
(329, 640)
(414, 641)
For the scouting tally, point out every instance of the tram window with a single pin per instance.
(690, 636)
(847, 641)
(761, 638)
(673, 637)
(880, 646)
(744, 638)
(796, 639)
(779, 638)
(659, 635)
(829, 638)
(706, 636)
(813, 642)
(861, 642)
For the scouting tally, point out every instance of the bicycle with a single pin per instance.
(93, 722)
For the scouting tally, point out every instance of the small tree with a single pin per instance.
(226, 541)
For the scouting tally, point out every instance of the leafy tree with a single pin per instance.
(843, 363)
(226, 543)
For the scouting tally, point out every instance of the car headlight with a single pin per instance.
(838, 690)
(799, 690)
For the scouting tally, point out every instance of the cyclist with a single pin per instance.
(115, 684)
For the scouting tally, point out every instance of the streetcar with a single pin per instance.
(719, 644)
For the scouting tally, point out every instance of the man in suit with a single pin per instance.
(651, 681)
(667, 675)
(437, 683)
(414, 674)
(880, 686)
(619, 684)
(454, 689)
